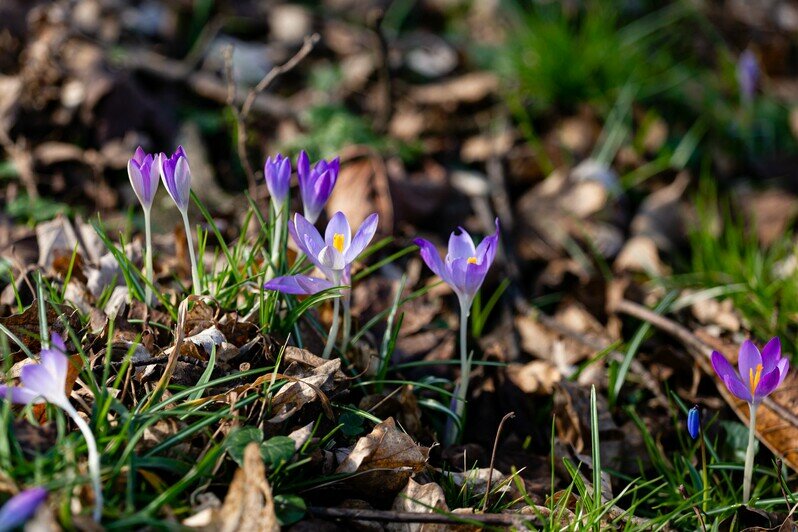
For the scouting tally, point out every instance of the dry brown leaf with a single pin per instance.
(390, 454)
(420, 498)
(249, 505)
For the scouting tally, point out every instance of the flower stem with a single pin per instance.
(94, 458)
(148, 260)
(334, 327)
(748, 472)
(704, 476)
(461, 390)
(192, 258)
(277, 234)
(347, 297)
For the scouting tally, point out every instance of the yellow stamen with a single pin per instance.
(472, 260)
(753, 378)
(338, 242)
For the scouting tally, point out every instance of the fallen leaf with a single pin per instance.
(419, 498)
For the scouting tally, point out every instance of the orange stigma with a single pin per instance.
(338, 242)
(753, 378)
(472, 260)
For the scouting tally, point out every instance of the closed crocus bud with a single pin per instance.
(21, 507)
(176, 176)
(143, 174)
(748, 74)
(277, 172)
(316, 184)
(694, 422)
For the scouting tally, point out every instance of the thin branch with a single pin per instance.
(389, 516)
(507, 416)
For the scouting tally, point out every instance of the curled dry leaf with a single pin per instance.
(305, 388)
(419, 498)
(390, 454)
(248, 506)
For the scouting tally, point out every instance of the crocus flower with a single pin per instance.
(46, 382)
(465, 266)
(316, 184)
(176, 176)
(277, 172)
(760, 374)
(333, 256)
(748, 75)
(143, 174)
(693, 422)
(21, 507)
(464, 269)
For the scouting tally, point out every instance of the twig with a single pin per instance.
(389, 516)
(241, 115)
(385, 109)
(695, 508)
(507, 416)
(693, 343)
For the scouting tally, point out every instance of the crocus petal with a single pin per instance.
(767, 384)
(460, 245)
(298, 284)
(458, 269)
(737, 388)
(57, 342)
(749, 360)
(136, 181)
(21, 507)
(298, 240)
(338, 225)
(55, 362)
(182, 183)
(20, 395)
(332, 258)
(307, 231)
(303, 170)
(722, 366)
(486, 251)
(784, 367)
(139, 155)
(771, 354)
(38, 379)
(362, 238)
(474, 276)
(431, 257)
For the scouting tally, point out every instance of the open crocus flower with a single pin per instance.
(46, 382)
(332, 255)
(277, 172)
(21, 507)
(176, 176)
(316, 184)
(465, 266)
(760, 373)
(143, 174)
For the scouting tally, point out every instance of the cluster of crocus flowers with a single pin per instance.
(759, 375)
(45, 382)
(333, 255)
(21, 507)
(144, 169)
(464, 269)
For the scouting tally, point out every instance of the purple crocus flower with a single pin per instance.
(760, 373)
(332, 255)
(21, 507)
(748, 74)
(143, 174)
(277, 171)
(43, 382)
(465, 266)
(176, 176)
(316, 184)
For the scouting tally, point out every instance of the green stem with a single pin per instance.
(461, 391)
(347, 297)
(192, 258)
(334, 327)
(94, 458)
(749, 453)
(704, 476)
(148, 260)
(277, 233)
